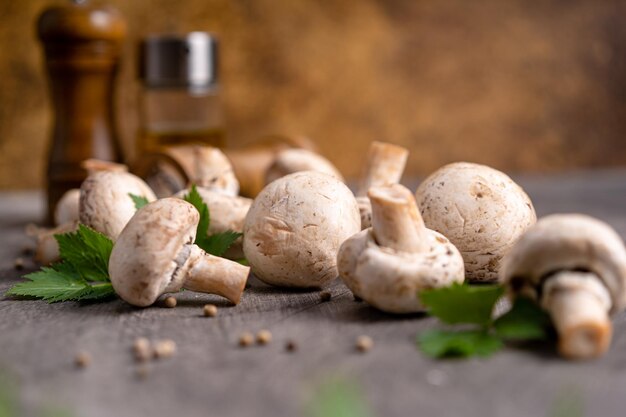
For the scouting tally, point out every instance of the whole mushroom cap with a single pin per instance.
(105, 203)
(295, 227)
(296, 160)
(391, 280)
(480, 209)
(151, 251)
(573, 242)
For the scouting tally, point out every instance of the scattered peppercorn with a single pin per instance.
(28, 251)
(164, 349)
(82, 359)
(142, 349)
(263, 337)
(19, 263)
(291, 346)
(325, 296)
(170, 302)
(364, 344)
(210, 310)
(246, 339)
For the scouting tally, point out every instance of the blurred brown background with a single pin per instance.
(519, 85)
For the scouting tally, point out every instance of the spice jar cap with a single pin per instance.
(188, 60)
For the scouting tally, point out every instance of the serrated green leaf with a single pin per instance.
(87, 251)
(60, 283)
(218, 243)
(139, 200)
(458, 343)
(524, 321)
(196, 200)
(461, 303)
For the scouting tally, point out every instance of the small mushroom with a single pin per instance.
(47, 250)
(296, 160)
(105, 203)
(385, 165)
(226, 213)
(66, 210)
(295, 226)
(388, 264)
(481, 210)
(574, 266)
(155, 254)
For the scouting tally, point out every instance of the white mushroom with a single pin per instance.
(574, 266)
(481, 210)
(66, 210)
(295, 226)
(155, 254)
(67, 207)
(47, 250)
(174, 167)
(226, 213)
(388, 264)
(296, 160)
(105, 203)
(385, 165)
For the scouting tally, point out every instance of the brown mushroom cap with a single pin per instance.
(105, 204)
(481, 210)
(573, 242)
(295, 226)
(150, 254)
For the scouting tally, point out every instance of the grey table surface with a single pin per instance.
(211, 376)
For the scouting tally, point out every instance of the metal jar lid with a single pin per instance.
(179, 60)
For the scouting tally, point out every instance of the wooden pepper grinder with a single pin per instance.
(82, 45)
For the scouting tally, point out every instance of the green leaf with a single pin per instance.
(218, 243)
(524, 321)
(139, 200)
(195, 199)
(462, 303)
(458, 343)
(87, 251)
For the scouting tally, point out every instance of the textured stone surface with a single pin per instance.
(513, 84)
(211, 375)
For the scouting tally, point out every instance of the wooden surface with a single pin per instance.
(449, 79)
(211, 376)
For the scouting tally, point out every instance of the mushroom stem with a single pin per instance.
(385, 165)
(396, 221)
(579, 304)
(215, 275)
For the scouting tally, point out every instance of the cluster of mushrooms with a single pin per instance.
(306, 227)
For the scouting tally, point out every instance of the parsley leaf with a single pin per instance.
(458, 343)
(139, 200)
(461, 303)
(216, 244)
(81, 275)
(524, 321)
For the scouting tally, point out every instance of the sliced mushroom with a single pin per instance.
(296, 160)
(574, 266)
(481, 210)
(295, 226)
(226, 213)
(105, 203)
(388, 264)
(155, 254)
(385, 165)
